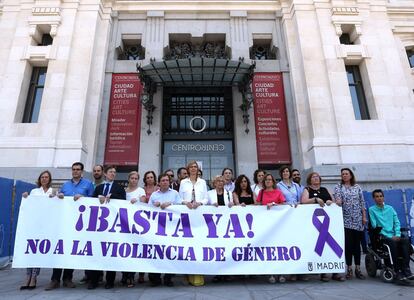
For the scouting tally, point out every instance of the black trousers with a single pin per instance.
(94, 276)
(156, 277)
(353, 240)
(57, 274)
(399, 249)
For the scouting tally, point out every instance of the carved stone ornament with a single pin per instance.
(188, 50)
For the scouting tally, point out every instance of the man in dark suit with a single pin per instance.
(109, 189)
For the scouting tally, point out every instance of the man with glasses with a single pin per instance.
(76, 187)
(170, 174)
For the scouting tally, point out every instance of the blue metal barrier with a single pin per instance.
(21, 187)
(395, 198)
(409, 195)
(6, 194)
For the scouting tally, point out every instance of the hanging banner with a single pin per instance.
(272, 135)
(124, 121)
(120, 236)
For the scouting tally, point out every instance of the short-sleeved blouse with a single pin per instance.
(266, 197)
(352, 205)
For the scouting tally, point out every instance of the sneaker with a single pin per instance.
(400, 276)
(272, 279)
(282, 279)
(84, 280)
(69, 284)
(54, 284)
(408, 274)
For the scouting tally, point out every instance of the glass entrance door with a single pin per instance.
(198, 125)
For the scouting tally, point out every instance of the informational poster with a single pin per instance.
(272, 135)
(124, 121)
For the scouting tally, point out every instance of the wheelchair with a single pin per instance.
(379, 257)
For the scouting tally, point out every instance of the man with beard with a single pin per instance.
(98, 177)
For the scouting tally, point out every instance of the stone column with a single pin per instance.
(239, 38)
(154, 35)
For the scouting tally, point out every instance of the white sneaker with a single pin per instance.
(272, 279)
(282, 279)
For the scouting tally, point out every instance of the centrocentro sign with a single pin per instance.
(197, 147)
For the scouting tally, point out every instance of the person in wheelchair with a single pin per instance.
(384, 216)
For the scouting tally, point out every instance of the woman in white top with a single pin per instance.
(258, 177)
(44, 183)
(219, 196)
(134, 193)
(193, 190)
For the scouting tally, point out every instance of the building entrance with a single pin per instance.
(198, 125)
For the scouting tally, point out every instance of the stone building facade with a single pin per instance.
(347, 69)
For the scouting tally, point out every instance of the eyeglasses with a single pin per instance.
(171, 175)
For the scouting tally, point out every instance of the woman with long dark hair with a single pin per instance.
(348, 194)
(243, 194)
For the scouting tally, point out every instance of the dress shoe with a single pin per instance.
(325, 278)
(92, 286)
(168, 283)
(109, 286)
(54, 284)
(155, 283)
(69, 284)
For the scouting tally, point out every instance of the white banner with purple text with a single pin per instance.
(120, 236)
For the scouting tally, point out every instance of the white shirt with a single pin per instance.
(137, 194)
(256, 189)
(212, 197)
(200, 189)
(40, 192)
(170, 195)
(229, 187)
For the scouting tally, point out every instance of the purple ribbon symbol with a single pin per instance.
(324, 236)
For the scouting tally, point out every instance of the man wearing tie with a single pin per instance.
(109, 189)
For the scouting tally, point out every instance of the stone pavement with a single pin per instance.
(238, 288)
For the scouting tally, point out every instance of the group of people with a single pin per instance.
(191, 190)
